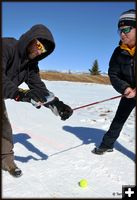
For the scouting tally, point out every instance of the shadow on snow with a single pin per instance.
(85, 134)
(93, 135)
(22, 138)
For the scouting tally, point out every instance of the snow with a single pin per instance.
(55, 155)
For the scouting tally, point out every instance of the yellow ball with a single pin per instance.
(83, 183)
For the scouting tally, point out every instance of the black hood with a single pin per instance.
(38, 31)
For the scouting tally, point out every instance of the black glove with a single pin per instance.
(33, 96)
(61, 109)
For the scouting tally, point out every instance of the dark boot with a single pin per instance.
(16, 172)
(13, 170)
(101, 151)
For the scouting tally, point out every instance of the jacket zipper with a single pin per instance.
(133, 72)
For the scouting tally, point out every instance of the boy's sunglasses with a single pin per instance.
(125, 30)
(40, 46)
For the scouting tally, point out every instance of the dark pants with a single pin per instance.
(124, 109)
(7, 142)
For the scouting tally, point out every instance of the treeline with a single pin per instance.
(94, 70)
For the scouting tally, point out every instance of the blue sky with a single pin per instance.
(83, 31)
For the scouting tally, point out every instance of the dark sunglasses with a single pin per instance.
(125, 30)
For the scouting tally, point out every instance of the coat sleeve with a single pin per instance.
(8, 87)
(115, 74)
(34, 81)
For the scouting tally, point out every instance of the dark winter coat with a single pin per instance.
(122, 70)
(16, 66)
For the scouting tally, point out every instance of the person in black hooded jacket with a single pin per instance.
(20, 64)
(122, 76)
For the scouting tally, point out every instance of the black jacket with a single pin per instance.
(16, 66)
(122, 70)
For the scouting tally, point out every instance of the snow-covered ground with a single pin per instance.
(55, 155)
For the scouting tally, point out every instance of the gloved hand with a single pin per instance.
(61, 109)
(33, 96)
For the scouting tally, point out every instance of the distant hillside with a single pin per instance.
(83, 77)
